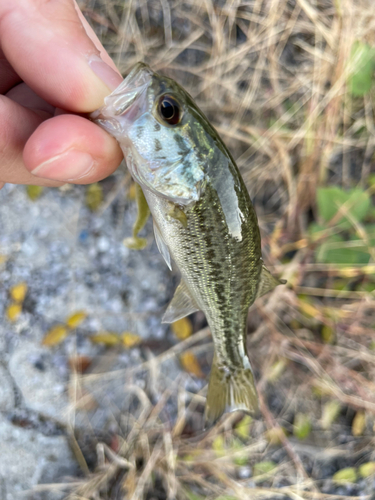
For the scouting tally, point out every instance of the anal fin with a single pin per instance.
(181, 305)
(267, 282)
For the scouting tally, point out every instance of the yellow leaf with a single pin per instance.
(242, 429)
(308, 309)
(276, 370)
(275, 435)
(3, 259)
(34, 192)
(349, 272)
(321, 388)
(13, 311)
(130, 339)
(106, 338)
(190, 364)
(345, 476)
(218, 445)
(94, 196)
(359, 423)
(182, 328)
(55, 335)
(18, 292)
(76, 319)
(367, 469)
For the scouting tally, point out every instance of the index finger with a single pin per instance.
(48, 47)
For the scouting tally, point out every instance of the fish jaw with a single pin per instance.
(126, 103)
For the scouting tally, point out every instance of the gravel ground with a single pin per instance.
(71, 259)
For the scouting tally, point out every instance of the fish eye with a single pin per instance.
(169, 110)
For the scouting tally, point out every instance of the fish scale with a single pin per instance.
(203, 220)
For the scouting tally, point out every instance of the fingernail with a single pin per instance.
(107, 75)
(68, 166)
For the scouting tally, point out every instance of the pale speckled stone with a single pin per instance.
(42, 391)
(28, 458)
(71, 260)
(6, 391)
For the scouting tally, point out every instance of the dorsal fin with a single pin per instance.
(267, 282)
(181, 305)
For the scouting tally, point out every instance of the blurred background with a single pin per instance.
(88, 369)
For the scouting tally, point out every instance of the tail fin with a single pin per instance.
(229, 390)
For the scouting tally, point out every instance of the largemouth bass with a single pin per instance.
(203, 219)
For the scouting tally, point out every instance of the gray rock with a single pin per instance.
(42, 390)
(28, 459)
(72, 260)
(2, 341)
(7, 399)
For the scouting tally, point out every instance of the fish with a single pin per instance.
(204, 221)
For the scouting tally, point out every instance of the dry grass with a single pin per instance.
(272, 76)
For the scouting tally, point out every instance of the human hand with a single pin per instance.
(52, 64)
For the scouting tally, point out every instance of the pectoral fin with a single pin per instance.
(267, 282)
(135, 242)
(162, 246)
(177, 213)
(181, 305)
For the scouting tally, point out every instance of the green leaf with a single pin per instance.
(302, 426)
(242, 458)
(370, 231)
(371, 180)
(218, 445)
(328, 334)
(331, 199)
(331, 411)
(363, 62)
(316, 230)
(264, 467)
(345, 476)
(368, 287)
(335, 250)
(193, 496)
(226, 497)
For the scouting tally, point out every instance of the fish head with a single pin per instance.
(165, 138)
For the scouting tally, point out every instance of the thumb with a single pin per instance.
(67, 69)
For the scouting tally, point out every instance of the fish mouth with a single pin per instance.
(120, 101)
